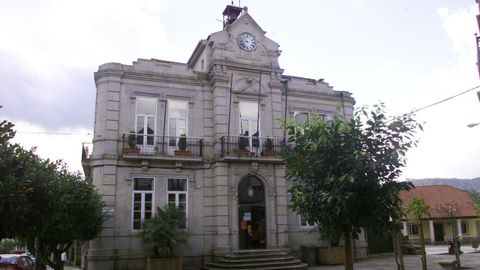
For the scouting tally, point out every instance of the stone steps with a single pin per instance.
(260, 259)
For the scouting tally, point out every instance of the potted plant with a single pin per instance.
(162, 235)
(268, 150)
(182, 146)
(132, 144)
(331, 254)
(243, 144)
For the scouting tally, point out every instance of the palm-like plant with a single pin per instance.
(162, 233)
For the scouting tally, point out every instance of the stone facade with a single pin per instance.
(211, 100)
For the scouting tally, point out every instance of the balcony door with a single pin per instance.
(145, 126)
(249, 125)
(177, 123)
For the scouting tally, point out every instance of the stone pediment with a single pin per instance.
(248, 86)
(224, 45)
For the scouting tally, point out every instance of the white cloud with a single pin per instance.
(448, 148)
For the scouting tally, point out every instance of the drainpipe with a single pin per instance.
(285, 82)
(164, 124)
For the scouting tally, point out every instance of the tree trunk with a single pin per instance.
(39, 265)
(348, 250)
(456, 244)
(397, 249)
(422, 245)
(57, 263)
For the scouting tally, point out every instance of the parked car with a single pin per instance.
(15, 262)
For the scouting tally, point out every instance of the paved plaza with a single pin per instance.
(470, 259)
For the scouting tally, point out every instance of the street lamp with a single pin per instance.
(472, 125)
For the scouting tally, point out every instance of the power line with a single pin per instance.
(54, 133)
(444, 100)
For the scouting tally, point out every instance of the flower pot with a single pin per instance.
(182, 153)
(174, 263)
(241, 152)
(269, 153)
(134, 150)
(330, 255)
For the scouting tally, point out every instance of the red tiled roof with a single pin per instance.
(438, 197)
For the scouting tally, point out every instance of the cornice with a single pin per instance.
(196, 79)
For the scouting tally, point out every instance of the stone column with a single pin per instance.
(405, 229)
(432, 232)
(459, 228)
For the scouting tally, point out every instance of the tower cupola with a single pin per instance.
(230, 14)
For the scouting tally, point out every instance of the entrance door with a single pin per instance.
(251, 214)
(438, 228)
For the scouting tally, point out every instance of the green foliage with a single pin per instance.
(19, 185)
(243, 141)
(132, 139)
(8, 245)
(42, 199)
(475, 195)
(343, 172)
(417, 210)
(182, 142)
(162, 233)
(268, 145)
(72, 212)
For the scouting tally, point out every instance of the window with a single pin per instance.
(413, 229)
(177, 196)
(146, 119)
(142, 201)
(177, 122)
(464, 225)
(249, 125)
(304, 223)
(301, 117)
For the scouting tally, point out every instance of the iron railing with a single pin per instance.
(87, 149)
(143, 144)
(251, 146)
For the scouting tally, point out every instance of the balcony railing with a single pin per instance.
(154, 145)
(244, 146)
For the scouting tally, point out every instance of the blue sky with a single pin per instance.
(406, 53)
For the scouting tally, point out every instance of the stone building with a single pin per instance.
(205, 136)
(451, 213)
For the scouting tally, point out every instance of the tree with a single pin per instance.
(343, 172)
(23, 181)
(475, 195)
(416, 211)
(450, 209)
(74, 214)
(41, 200)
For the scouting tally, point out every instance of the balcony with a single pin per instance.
(251, 147)
(87, 149)
(161, 147)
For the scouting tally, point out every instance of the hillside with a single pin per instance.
(465, 184)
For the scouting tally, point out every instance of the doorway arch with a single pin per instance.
(251, 214)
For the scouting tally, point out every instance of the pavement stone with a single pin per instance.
(470, 259)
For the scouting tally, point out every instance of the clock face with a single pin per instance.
(247, 42)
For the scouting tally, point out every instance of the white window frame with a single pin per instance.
(145, 147)
(173, 148)
(142, 206)
(305, 225)
(411, 230)
(302, 112)
(251, 130)
(177, 197)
